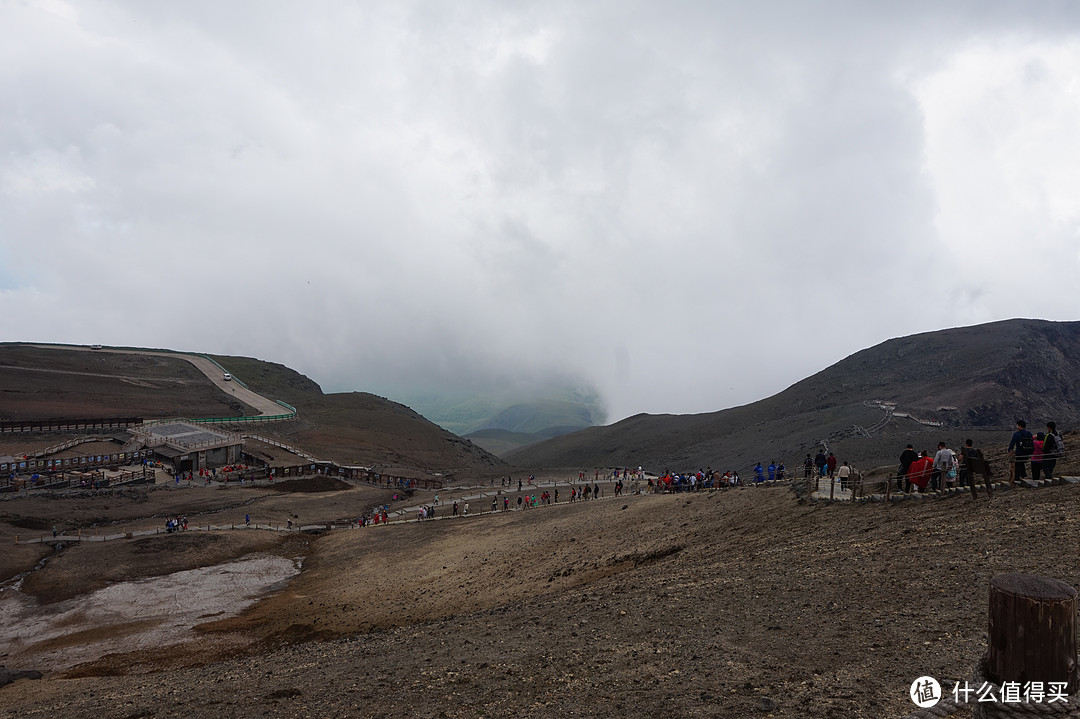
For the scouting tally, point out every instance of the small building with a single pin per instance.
(188, 446)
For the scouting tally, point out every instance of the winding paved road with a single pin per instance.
(264, 406)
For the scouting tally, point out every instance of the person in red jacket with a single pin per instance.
(920, 470)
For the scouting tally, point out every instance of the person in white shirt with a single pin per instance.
(944, 462)
(844, 473)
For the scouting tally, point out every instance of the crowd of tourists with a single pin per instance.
(1041, 450)
(695, 481)
(380, 515)
(945, 468)
(918, 472)
(173, 524)
(825, 465)
(527, 500)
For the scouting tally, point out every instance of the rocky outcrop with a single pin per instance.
(7, 676)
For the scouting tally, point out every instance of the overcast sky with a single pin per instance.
(689, 205)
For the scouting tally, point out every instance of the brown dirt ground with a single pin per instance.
(86, 567)
(729, 604)
(108, 512)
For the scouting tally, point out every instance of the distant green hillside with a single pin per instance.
(565, 408)
(538, 417)
(457, 413)
(501, 441)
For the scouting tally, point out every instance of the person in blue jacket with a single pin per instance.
(1022, 446)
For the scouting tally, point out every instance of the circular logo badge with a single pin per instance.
(925, 692)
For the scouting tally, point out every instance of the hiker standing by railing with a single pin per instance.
(1021, 447)
(1053, 449)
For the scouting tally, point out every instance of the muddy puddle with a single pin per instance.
(130, 616)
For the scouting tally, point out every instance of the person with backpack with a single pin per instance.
(821, 462)
(1053, 450)
(968, 450)
(1021, 447)
(908, 456)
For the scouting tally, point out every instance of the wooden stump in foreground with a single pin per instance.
(1032, 634)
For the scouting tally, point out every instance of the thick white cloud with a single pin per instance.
(1005, 164)
(689, 205)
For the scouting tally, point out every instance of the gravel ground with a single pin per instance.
(733, 603)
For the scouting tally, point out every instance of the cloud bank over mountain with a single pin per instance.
(685, 206)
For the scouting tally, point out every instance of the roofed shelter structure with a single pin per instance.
(189, 446)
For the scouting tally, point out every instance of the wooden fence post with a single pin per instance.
(1032, 635)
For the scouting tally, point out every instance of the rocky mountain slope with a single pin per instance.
(974, 381)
